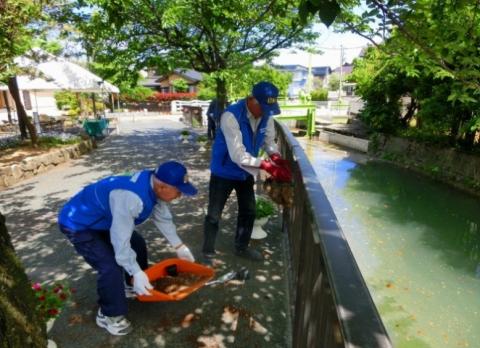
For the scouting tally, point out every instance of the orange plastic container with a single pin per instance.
(159, 270)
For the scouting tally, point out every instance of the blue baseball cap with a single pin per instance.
(175, 174)
(266, 94)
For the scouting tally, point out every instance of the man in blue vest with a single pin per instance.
(214, 111)
(245, 127)
(99, 221)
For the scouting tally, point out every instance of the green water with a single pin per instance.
(417, 243)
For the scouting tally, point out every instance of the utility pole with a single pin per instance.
(341, 72)
(309, 76)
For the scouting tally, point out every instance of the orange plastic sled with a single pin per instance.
(159, 270)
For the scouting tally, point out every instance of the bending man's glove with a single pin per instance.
(279, 161)
(277, 173)
(141, 284)
(184, 253)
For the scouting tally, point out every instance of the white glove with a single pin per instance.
(184, 253)
(141, 284)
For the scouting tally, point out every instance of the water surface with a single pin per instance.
(417, 243)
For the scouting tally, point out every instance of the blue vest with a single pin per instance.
(222, 165)
(90, 209)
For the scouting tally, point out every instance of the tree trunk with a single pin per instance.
(94, 107)
(20, 324)
(7, 105)
(23, 120)
(409, 114)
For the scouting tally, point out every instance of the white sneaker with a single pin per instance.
(117, 326)
(129, 293)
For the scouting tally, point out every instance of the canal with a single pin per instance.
(416, 241)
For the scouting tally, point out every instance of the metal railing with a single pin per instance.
(331, 304)
(303, 112)
(177, 105)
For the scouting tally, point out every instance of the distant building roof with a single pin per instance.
(316, 70)
(291, 67)
(153, 79)
(150, 82)
(190, 74)
(346, 69)
(321, 70)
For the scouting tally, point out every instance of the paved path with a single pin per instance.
(259, 306)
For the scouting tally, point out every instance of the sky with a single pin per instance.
(328, 42)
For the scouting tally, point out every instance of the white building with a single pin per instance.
(37, 94)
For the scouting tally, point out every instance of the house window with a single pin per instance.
(26, 100)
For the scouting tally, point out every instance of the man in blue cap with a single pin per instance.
(99, 221)
(245, 127)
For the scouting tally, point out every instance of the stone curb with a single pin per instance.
(31, 166)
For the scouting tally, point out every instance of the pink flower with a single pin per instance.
(36, 286)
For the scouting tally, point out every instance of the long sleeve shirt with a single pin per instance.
(126, 206)
(236, 149)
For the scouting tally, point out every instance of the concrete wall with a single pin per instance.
(446, 164)
(344, 140)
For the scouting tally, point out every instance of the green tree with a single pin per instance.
(16, 39)
(208, 36)
(240, 82)
(334, 82)
(433, 43)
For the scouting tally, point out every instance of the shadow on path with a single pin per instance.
(253, 314)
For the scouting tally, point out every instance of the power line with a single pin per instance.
(340, 48)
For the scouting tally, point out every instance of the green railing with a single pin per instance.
(306, 112)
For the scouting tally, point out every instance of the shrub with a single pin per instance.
(136, 94)
(320, 94)
(263, 208)
(162, 97)
(180, 85)
(66, 100)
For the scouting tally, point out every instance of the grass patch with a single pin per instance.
(46, 142)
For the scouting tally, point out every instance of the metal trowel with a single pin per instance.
(242, 274)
